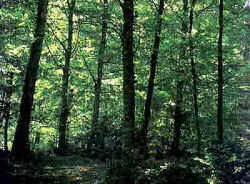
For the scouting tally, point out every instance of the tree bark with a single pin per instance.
(65, 81)
(128, 73)
(153, 65)
(175, 149)
(194, 75)
(178, 117)
(220, 75)
(98, 82)
(21, 147)
(128, 130)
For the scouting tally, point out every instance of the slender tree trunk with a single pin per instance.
(7, 110)
(65, 82)
(175, 148)
(70, 104)
(98, 82)
(2, 107)
(220, 75)
(6, 126)
(153, 65)
(21, 147)
(194, 75)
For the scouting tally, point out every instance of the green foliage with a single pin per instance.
(18, 21)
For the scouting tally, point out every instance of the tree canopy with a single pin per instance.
(140, 84)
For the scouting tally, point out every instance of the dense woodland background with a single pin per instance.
(125, 91)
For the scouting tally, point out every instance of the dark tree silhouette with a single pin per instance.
(21, 147)
(98, 82)
(178, 116)
(194, 74)
(65, 81)
(151, 82)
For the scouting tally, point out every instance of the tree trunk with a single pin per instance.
(70, 104)
(98, 82)
(7, 110)
(65, 82)
(2, 107)
(128, 130)
(153, 65)
(21, 147)
(178, 117)
(6, 126)
(194, 75)
(220, 76)
(128, 73)
(175, 149)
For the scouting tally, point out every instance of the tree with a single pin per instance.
(153, 64)
(21, 148)
(98, 82)
(194, 74)
(128, 131)
(5, 106)
(128, 73)
(65, 80)
(178, 115)
(220, 75)
(7, 109)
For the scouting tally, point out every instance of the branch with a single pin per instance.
(204, 9)
(61, 43)
(52, 55)
(89, 70)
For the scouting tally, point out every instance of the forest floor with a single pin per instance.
(230, 164)
(71, 169)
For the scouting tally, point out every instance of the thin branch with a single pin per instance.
(204, 9)
(52, 55)
(89, 70)
(61, 42)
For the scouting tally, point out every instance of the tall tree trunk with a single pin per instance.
(153, 65)
(178, 117)
(98, 82)
(21, 147)
(128, 130)
(220, 75)
(65, 81)
(194, 75)
(128, 73)
(7, 110)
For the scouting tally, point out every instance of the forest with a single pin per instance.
(125, 91)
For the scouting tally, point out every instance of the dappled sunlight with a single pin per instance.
(124, 92)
